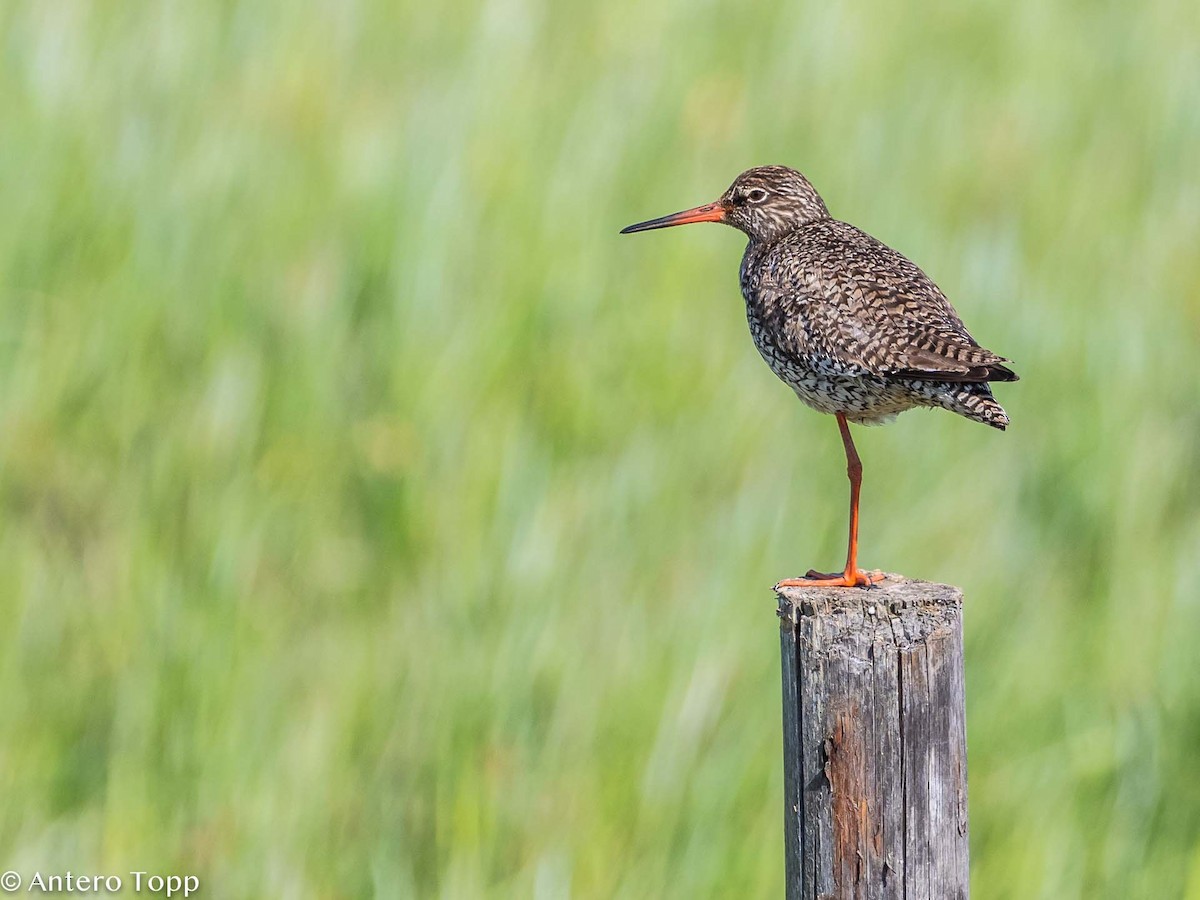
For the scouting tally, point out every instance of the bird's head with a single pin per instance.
(766, 203)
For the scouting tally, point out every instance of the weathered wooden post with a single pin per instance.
(874, 742)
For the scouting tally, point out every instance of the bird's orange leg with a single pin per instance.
(852, 576)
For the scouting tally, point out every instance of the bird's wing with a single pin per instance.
(863, 304)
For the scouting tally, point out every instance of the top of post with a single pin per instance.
(913, 608)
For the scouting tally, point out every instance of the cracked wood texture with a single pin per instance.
(875, 742)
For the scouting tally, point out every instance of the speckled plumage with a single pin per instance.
(853, 327)
(850, 324)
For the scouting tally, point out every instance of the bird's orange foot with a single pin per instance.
(855, 578)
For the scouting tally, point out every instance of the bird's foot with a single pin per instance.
(849, 578)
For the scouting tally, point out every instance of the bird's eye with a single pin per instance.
(756, 195)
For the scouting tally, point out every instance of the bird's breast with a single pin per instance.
(789, 331)
(781, 333)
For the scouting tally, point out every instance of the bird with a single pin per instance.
(852, 326)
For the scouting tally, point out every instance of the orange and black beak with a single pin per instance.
(709, 212)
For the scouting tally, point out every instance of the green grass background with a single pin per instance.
(377, 522)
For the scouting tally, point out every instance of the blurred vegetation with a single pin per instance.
(376, 521)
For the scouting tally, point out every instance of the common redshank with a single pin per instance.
(849, 324)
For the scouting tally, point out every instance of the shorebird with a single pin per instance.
(849, 324)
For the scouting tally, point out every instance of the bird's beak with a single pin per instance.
(709, 212)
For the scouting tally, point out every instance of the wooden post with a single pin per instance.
(874, 742)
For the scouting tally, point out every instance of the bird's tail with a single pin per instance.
(975, 401)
